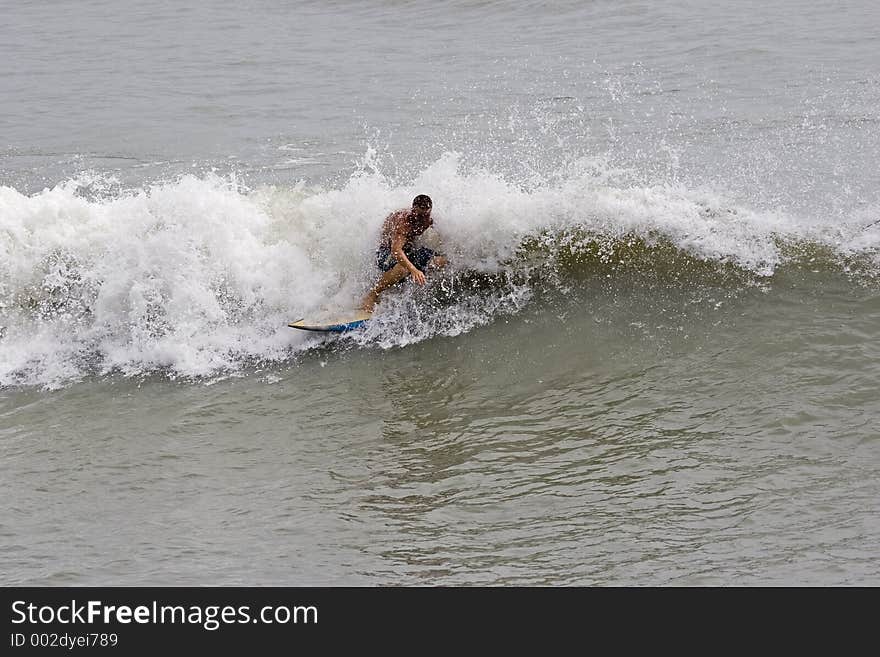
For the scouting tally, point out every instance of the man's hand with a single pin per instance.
(418, 276)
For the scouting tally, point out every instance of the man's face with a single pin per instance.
(421, 213)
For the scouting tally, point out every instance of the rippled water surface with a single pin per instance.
(653, 360)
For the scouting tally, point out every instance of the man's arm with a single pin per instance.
(397, 243)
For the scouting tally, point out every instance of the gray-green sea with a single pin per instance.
(653, 359)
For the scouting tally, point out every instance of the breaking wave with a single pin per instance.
(200, 275)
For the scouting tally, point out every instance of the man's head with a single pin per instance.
(421, 206)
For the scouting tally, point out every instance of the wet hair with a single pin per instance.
(422, 201)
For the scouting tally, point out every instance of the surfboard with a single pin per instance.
(338, 325)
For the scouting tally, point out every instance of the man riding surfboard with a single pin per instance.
(397, 256)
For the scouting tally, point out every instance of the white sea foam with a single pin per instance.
(199, 276)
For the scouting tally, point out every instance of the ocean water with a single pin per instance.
(653, 359)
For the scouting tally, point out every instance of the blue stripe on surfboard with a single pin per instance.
(328, 328)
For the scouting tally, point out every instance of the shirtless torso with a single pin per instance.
(403, 226)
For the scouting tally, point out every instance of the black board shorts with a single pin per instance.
(420, 257)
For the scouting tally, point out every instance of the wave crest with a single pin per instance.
(201, 275)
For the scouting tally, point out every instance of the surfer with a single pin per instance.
(397, 256)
